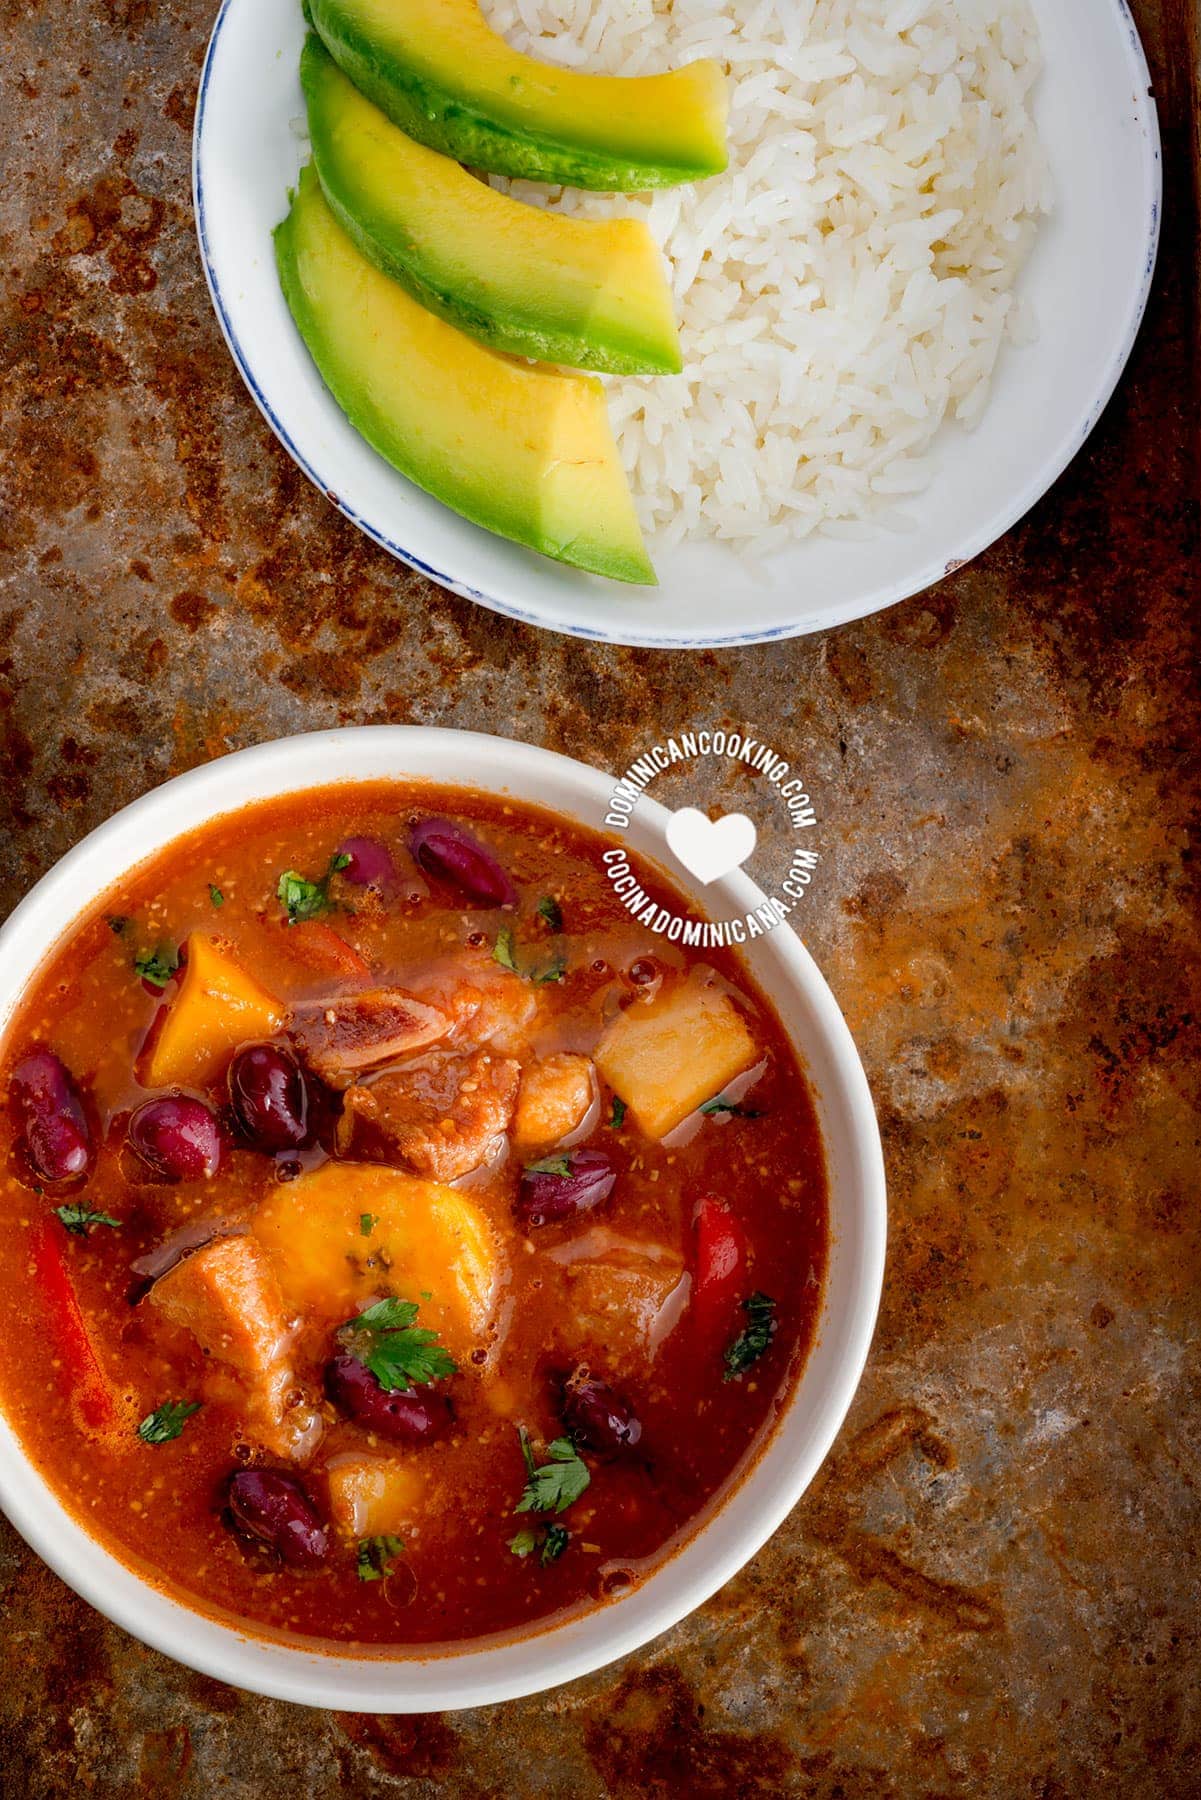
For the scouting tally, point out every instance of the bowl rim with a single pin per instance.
(1001, 519)
(448, 1679)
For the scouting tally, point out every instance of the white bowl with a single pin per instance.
(1088, 280)
(806, 1429)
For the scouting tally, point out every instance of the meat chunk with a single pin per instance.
(440, 1118)
(360, 1031)
(555, 1098)
(227, 1296)
(626, 1302)
(489, 1007)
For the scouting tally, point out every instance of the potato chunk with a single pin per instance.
(218, 1007)
(556, 1096)
(667, 1057)
(370, 1496)
(361, 1031)
(347, 1233)
(441, 1117)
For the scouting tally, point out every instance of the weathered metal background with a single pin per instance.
(993, 1589)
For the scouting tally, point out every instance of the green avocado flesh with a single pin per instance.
(524, 451)
(440, 73)
(591, 294)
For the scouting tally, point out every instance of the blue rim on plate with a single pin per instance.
(1049, 470)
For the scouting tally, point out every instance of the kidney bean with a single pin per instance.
(548, 1195)
(451, 855)
(58, 1142)
(597, 1418)
(370, 862)
(178, 1137)
(273, 1507)
(270, 1097)
(404, 1416)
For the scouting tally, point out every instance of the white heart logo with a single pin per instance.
(710, 848)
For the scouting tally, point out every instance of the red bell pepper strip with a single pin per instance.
(81, 1373)
(720, 1277)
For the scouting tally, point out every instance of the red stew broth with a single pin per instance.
(159, 1508)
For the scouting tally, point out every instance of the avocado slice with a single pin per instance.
(443, 75)
(524, 451)
(588, 293)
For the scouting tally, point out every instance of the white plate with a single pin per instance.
(1088, 280)
(762, 1496)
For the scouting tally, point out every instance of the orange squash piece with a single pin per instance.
(218, 1007)
(371, 1495)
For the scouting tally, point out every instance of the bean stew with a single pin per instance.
(406, 1245)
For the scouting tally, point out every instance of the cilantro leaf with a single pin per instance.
(550, 1165)
(157, 966)
(556, 1485)
(366, 1223)
(215, 895)
(399, 1354)
(555, 970)
(303, 899)
(750, 1344)
(166, 1421)
(377, 1555)
(549, 1540)
(548, 909)
(79, 1219)
(502, 950)
(718, 1105)
(618, 1116)
(554, 1543)
(504, 953)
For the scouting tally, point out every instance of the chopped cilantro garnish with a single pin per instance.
(617, 1117)
(553, 971)
(556, 1485)
(729, 1106)
(502, 950)
(377, 1555)
(399, 1354)
(157, 966)
(550, 1541)
(503, 953)
(750, 1344)
(366, 1223)
(216, 897)
(303, 899)
(79, 1219)
(548, 909)
(166, 1421)
(550, 1165)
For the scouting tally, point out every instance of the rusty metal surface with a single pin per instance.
(992, 1589)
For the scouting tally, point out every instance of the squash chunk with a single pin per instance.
(370, 1496)
(420, 1238)
(218, 1007)
(664, 1059)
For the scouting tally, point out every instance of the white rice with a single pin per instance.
(846, 285)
